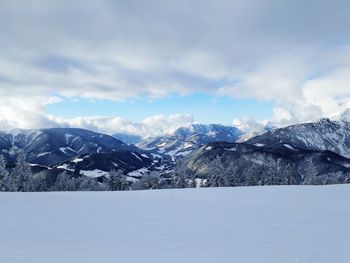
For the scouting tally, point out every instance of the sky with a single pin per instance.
(149, 67)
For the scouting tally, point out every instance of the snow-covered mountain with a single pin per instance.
(319, 136)
(248, 164)
(310, 153)
(307, 153)
(78, 151)
(52, 146)
(186, 139)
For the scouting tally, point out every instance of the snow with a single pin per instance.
(67, 136)
(43, 154)
(65, 166)
(289, 224)
(259, 145)
(77, 160)
(138, 173)
(173, 152)
(187, 145)
(179, 151)
(161, 151)
(154, 155)
(288, 146)
(66, 149)
(233, 149)
(138, 157)
(94, 173)
(183, 153)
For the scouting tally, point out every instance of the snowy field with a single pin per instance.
(252, 224)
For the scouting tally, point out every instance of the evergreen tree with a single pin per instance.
(64, 183)
(117, 181)
(180, 180)
(218, 174)
(3, 174)
(87, 184)
(192, 182)
(232, 175)
(182, 177)
(21, 176)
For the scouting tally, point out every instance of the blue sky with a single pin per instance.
(205, 108)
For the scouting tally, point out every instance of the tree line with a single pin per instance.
(21, 179)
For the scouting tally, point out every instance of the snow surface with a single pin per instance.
(77, 160)
(288, 146)
(138, 173)
(289, 224)
(94, 173)
(259, 144)
(43, 154)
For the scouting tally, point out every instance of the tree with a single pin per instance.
(87, 184)
(3, 174)
(64, 182)
(117, 181)
(21, 176)
(192, 182)
(180, 180)
(218, 174)
(233, 177)
(182, 177)
(151, 181)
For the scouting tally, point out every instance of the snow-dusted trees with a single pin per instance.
(218, 174)
(151, 181)
(87, 184)
(64, 183)
(117, 181)
(182, 178)
(21, 179)
(3, 174)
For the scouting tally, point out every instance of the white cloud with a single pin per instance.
(296, 56)
(150, 126)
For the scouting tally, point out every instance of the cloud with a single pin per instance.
(290, 53)
(149, 127)
(11, 117)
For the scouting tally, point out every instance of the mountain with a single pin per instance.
(127, 138)
(309, 153)
(318, 136)
(55, 145)
(79, 152)
(248, 164)
(185, 139)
